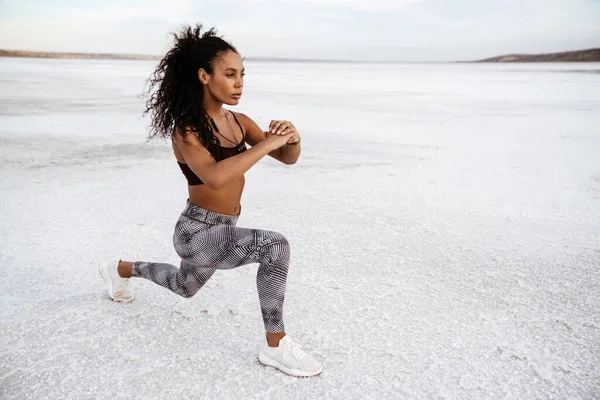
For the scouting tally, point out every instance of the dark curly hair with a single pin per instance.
(176, 91)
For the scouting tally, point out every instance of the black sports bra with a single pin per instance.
(226, 152)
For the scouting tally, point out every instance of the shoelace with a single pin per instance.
(297, 351)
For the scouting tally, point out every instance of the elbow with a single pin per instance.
(214, 183)
(217, 181)
(213, 179)
(287, 160)
(290, 161)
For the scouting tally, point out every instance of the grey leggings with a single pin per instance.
(207, 241)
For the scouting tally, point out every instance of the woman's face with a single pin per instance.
(227, 80)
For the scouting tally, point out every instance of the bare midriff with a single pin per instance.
(225, 200)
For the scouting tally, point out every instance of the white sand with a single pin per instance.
(444, 221)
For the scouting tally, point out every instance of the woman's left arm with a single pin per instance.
(288, 153)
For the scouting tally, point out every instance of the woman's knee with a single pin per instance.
(279, 246)
(272, 238)
(280, 239)
(192, 278)
(189, 290)
(187, 295)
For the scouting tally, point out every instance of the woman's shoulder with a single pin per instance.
(247, 122)
(252, 131)
(241, 117)
(186, 137)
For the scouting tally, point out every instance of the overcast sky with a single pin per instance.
(402, 30)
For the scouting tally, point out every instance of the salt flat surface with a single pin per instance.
(444, 222)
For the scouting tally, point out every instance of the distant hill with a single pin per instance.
(590, 55)
(87, 56)
(107, 56)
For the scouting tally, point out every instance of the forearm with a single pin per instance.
(289, 154)
(234, 167)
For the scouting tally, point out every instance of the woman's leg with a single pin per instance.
(207, 241)
(185, 281)
(225, 247)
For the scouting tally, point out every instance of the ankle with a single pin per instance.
(273, 338)
(125, 269)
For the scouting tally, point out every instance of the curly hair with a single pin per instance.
(175, 90)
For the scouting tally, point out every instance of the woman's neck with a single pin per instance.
(213, 107)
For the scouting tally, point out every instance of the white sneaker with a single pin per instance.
(118, 287)
(289, 358)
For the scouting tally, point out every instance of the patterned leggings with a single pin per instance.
(207, 241)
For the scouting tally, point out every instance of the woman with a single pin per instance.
(193, 81)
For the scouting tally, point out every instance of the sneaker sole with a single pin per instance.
(293, 372)
(104, 274)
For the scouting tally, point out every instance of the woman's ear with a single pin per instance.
(203, 76)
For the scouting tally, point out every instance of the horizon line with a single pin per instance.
(138, 56)
(134, 56)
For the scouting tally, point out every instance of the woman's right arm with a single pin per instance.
(216, 174)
